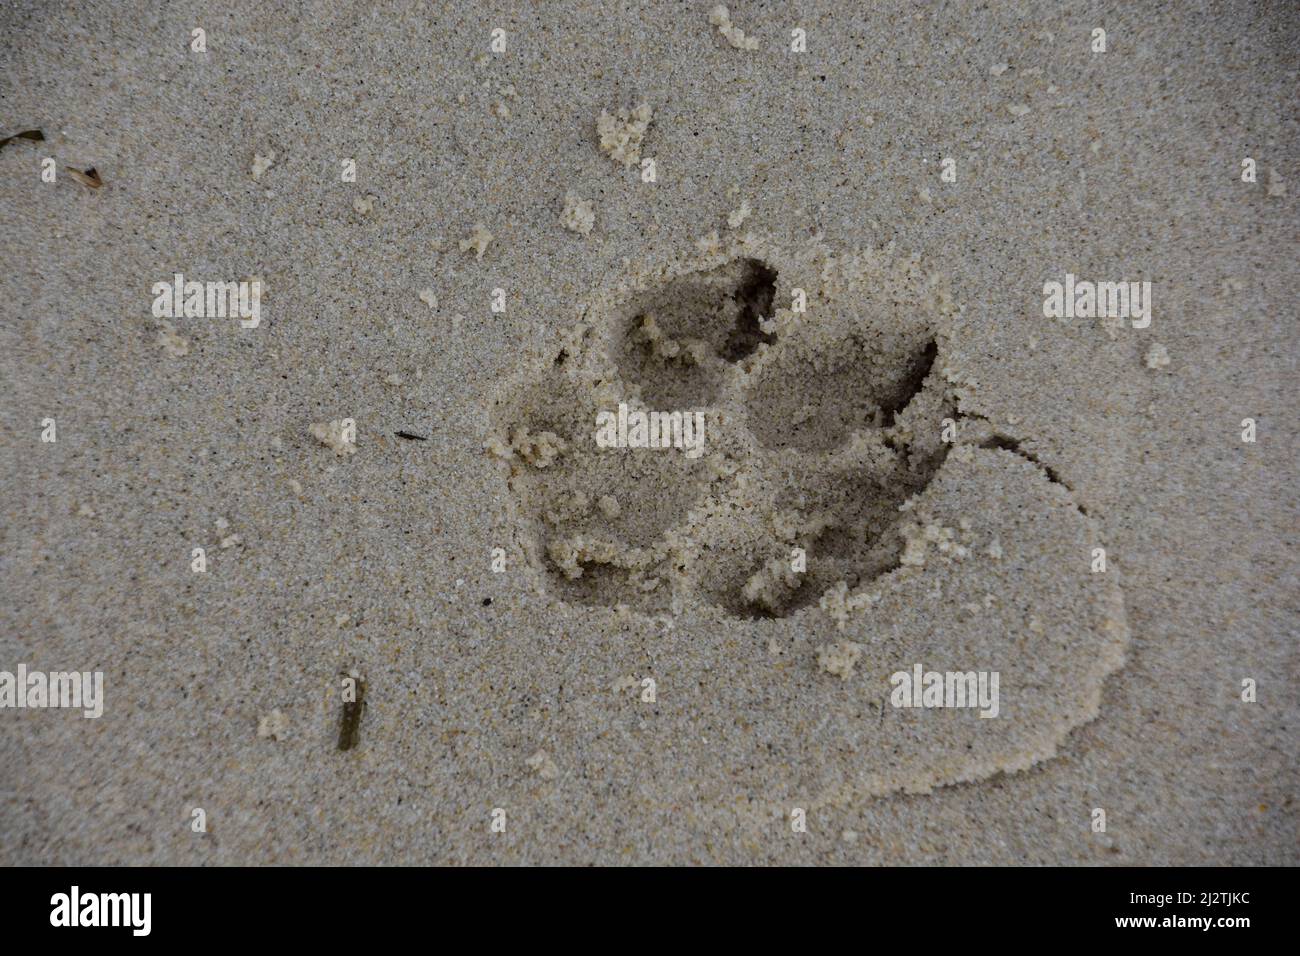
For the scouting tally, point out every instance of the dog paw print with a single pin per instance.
(851, 499)
(816, 432)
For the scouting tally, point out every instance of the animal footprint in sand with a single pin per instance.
(851, 499)
(814, 434)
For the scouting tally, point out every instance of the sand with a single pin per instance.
(539, 649)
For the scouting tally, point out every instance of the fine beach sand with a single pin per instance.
(607, 648)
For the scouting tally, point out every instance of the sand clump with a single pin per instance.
(539, 450)
(171, 342)
(336, 435)
(620, 135)
(720, 17)
(543, 765)
(274, 726)
(478, 240)
(1157, 357)
(839, 659)
(578, 214)
(261, 163)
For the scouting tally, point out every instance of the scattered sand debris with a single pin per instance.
(772, 584)
(478, 240)
(274, 725)
(1112, 325)
(578, 215)
(541, 764)
(1276, 187)
(709, 245)
(839, 604)
(661, 346)
(721, 18)
(839, 658)
(262, 163)
(171, 343)
(570, 554)
(737, 217)
(574, 504)
(621, 135)
(538, 450)
(1157, 356)
(331, 434)
(664, 348)
(230, 540)
(919, 537)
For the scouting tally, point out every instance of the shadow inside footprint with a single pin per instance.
(846, 522)
(679, 341)
(754, 297)
(814, 395)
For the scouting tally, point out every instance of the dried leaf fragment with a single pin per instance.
(35, 135)
(89, 178)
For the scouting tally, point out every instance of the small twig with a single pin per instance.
(350, 723)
